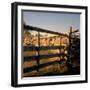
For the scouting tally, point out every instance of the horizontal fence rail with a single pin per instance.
(29, 69)
(28, 58)
(26, 27)
(33, 48)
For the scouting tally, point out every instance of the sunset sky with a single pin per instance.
(59, 22)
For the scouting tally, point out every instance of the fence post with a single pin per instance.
(69, 51)
(38, 51)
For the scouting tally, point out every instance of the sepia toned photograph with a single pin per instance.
(50, 43)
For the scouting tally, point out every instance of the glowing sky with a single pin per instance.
(59, 22)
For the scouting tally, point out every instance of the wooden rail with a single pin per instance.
(26, 27)
(29, 58)
(35, 48)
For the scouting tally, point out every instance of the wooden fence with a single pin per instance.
(32, 65)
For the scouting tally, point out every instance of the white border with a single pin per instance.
(53, 78)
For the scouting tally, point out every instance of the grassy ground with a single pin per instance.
(56, 68)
